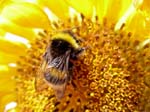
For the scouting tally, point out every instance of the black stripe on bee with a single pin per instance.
(54, 80)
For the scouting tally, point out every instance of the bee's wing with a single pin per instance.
(40, 83)
(58, 67)
(59, 90)
(61, 62)
(57, 73)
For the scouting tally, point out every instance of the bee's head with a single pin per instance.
(60, 45)
(62, 42)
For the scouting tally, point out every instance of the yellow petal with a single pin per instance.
(140, 25)
(129, 13)
(101, 8)
(10, 46)
(8, 26)
(110, 9)
(6, 58)
(6, 99)
(125, 4)
(83, 6)
(58, 7)
(8, 85)
(7, 74)
(2, 32)
(31, 1)
(145, 7)
(26, 14)
(115, 9)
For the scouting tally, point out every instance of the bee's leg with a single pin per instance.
(75, 54)
(59, 90)
(70, 69)
(73, 84)
(39, 83)
(44, 55)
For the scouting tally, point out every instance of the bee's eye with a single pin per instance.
(80, 40)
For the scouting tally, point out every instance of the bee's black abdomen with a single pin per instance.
(54, 80)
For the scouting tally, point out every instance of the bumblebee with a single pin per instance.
(58, 59)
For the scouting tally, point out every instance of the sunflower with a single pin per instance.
(111, 75)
